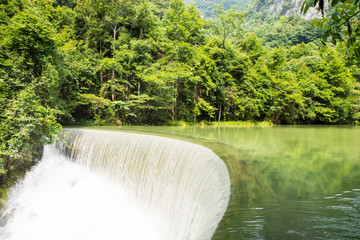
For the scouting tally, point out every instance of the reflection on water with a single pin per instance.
(340, 216)
(331, 218)
(287, 182)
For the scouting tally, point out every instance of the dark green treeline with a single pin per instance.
(156, 61)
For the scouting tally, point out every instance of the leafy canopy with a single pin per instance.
(341, 22)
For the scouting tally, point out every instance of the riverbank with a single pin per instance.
(184, 123)
(223, 124)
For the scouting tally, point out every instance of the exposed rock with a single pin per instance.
(286, 8)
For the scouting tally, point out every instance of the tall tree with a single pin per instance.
(182, 23)
(229, 21)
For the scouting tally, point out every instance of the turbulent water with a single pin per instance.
(112, 185)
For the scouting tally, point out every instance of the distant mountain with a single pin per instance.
(268, 7)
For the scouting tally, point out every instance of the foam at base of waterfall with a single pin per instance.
(61, 200)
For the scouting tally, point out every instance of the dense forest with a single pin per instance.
(157, 62)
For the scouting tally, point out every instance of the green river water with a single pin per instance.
(286, 182)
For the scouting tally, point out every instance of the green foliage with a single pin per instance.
(341, 22)
(283, 31)
(29, 38)
(31, 79)
(206, 7)
(96, 109)
(183, 23)
(25, 127)
(229, 21)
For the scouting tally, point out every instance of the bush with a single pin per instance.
(25, 128)
(95, 109)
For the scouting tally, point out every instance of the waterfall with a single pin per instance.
(123, 186)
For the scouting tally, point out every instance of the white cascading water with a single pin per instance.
(119, 186)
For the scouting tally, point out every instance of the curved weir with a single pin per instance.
(149, 188)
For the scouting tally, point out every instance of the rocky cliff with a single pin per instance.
(271, 7)
(283, 8)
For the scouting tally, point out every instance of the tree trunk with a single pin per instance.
(101, 74)
(173, 107)
(224, 37)
(219, 118)
(115, 30)
(126, 92)
(112, 85)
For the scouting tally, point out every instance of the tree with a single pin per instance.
(229, 20)
(342, 22)
(27, 126)
(119, 14)
(183, 23)
(31, 79)
(145, 22)
(28, 36)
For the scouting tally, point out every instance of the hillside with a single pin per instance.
(206, 6)
(282, 8)
(267, 7)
